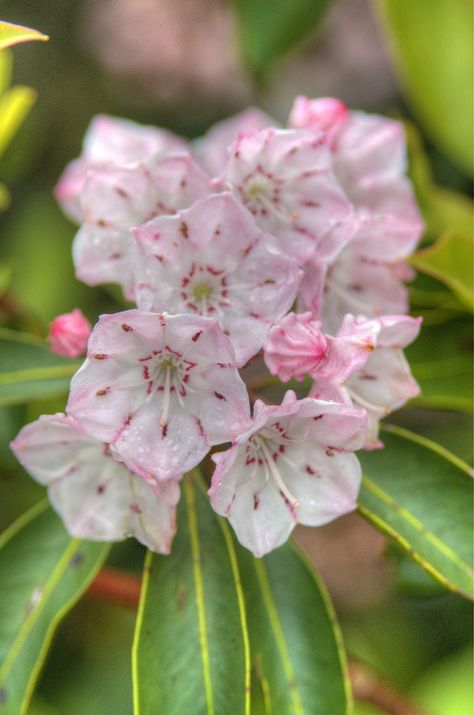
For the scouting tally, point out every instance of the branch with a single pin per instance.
(116, 586)
(369, 687)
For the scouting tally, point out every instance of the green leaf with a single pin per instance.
(442, 208)
(11, 34)
(450, 260)
(298, 659)
(190, 652)
(6, 68)
(43, 572)
(269, 28)
(14, 106)
(441, 361)
(432, 49)
(420, 495)
(28, 371)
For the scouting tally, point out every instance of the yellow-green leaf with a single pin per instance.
(450, 260)
(431, 42)
(11, 34)
(14, 106)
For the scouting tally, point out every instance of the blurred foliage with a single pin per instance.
(432, 46)
(270, 28)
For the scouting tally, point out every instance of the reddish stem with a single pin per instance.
(116, 586)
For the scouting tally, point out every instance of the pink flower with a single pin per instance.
(97, 497)
(285, 178)
(212, 260)
(380, 383)
(213, 149)
(115, 198)
(369, 158)
(160, 389)
(109, 140)
(296, 346)
(69, 333)
(325, 114)
(294, 465)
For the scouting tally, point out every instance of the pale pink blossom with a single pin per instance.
(296, 346)
(213, 260)
(325, 114)
(115, 198)
(369, 159)
(69, 333)
(97, 497)
(213, 149)
(110, 140)
(294, 465)
(160, 389)
(285, 178)
(383, 383)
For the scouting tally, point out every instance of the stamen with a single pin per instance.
(275, 472)
(166, 397)
(379, 410)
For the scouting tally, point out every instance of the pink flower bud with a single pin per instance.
(295, 346)
(69, 333)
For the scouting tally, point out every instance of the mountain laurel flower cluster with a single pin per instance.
(254, 246)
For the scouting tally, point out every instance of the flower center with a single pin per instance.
(202, 292)
(267, 451)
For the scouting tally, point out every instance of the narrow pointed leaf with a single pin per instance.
(419, 494)
(29, 371)
(298, 661)
(11, 34)
(43, 572)
(191, 652)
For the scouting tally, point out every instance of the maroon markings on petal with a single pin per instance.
(100, 488)
(196, 336)
(256, 502)
(127, 328)
(184, 229)
(136, 508)
(101, 393)
(219, 396)
(101, 356)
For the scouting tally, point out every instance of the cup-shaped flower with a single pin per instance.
(213, 149)
(115, 198)
(297, 346)
(110, 140)
(293, 466)
(97, 497)
(160, 389)
(68, 334)
(384, 382)
(213, 260)
(285, 178)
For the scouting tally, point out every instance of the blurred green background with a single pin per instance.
(184, 64)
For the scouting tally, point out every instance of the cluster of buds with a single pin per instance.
(255, 241)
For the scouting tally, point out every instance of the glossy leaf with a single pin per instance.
(14, 106)
(441, 361)
(11, 34)
(437, 78)
(28, 371)
(443, 209)
(268, 29)
(190, 651)
(450, 260)
(297, 654)
(43, 572)
(420, 494)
